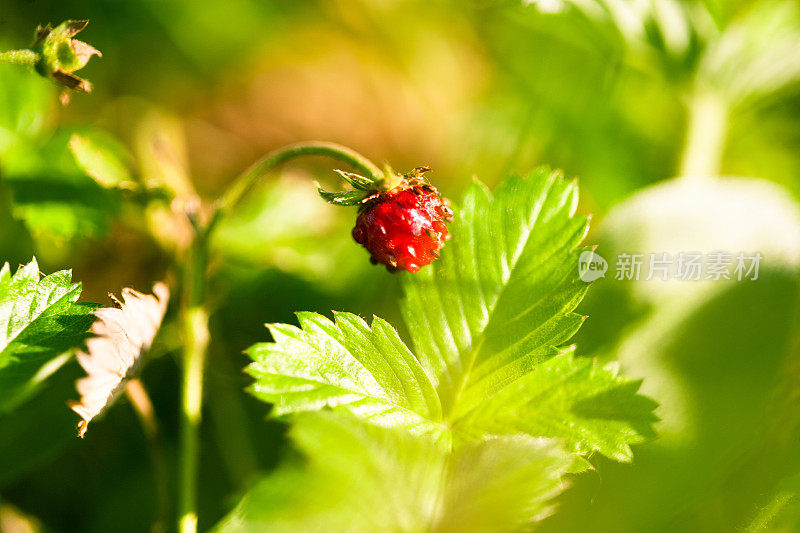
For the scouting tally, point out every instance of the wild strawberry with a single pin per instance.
(403, 228)
(402, 225)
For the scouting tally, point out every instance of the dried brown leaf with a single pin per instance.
(122, 334)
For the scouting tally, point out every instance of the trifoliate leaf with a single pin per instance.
(487, 320)
(40, 320)
(122, 333)
(364, 368)
(361, 477)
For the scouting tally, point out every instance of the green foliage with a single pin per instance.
(782, 511)
(486, 320)
(757, 55)
(40, 321)
(589, 407)
(366, 369)
(53, 196)
(39, 428)
(102, 158)
(487, 382)
(501, 297)
(48, 191)
(27, 102)
(280, 225)
(366, 478)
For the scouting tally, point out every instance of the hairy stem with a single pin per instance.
(705, 135)
(143, 407)
(27, 58)
(245, 182)
(194, 323)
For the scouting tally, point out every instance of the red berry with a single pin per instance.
(404, 228)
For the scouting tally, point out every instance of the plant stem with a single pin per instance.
(767, 514)
(194, 322)
(246, 181)
(196, 340)
(143, 407)
(705, 134)
(26, 58)
(194, 317)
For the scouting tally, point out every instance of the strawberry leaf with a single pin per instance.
(379, 479)
(501, 297)
(488, 318)
(40, 320)
(488, 322)
(364, 368)
(589, 407)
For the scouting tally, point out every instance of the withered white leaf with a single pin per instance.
(121, 334)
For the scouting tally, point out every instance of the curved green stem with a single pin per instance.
(194, 317)
(245, 182)
(28, 58)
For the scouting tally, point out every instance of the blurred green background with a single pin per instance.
(626, 95)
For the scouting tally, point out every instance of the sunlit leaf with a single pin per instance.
(589, 407)
(361, 477)
(757, 54)
(101, 158)
(53, 196)
(486, 320)
(364, 368)
(40, 322)
(488, 317)
(501, 297)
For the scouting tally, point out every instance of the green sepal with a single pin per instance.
(343, 198)
(356, 180)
